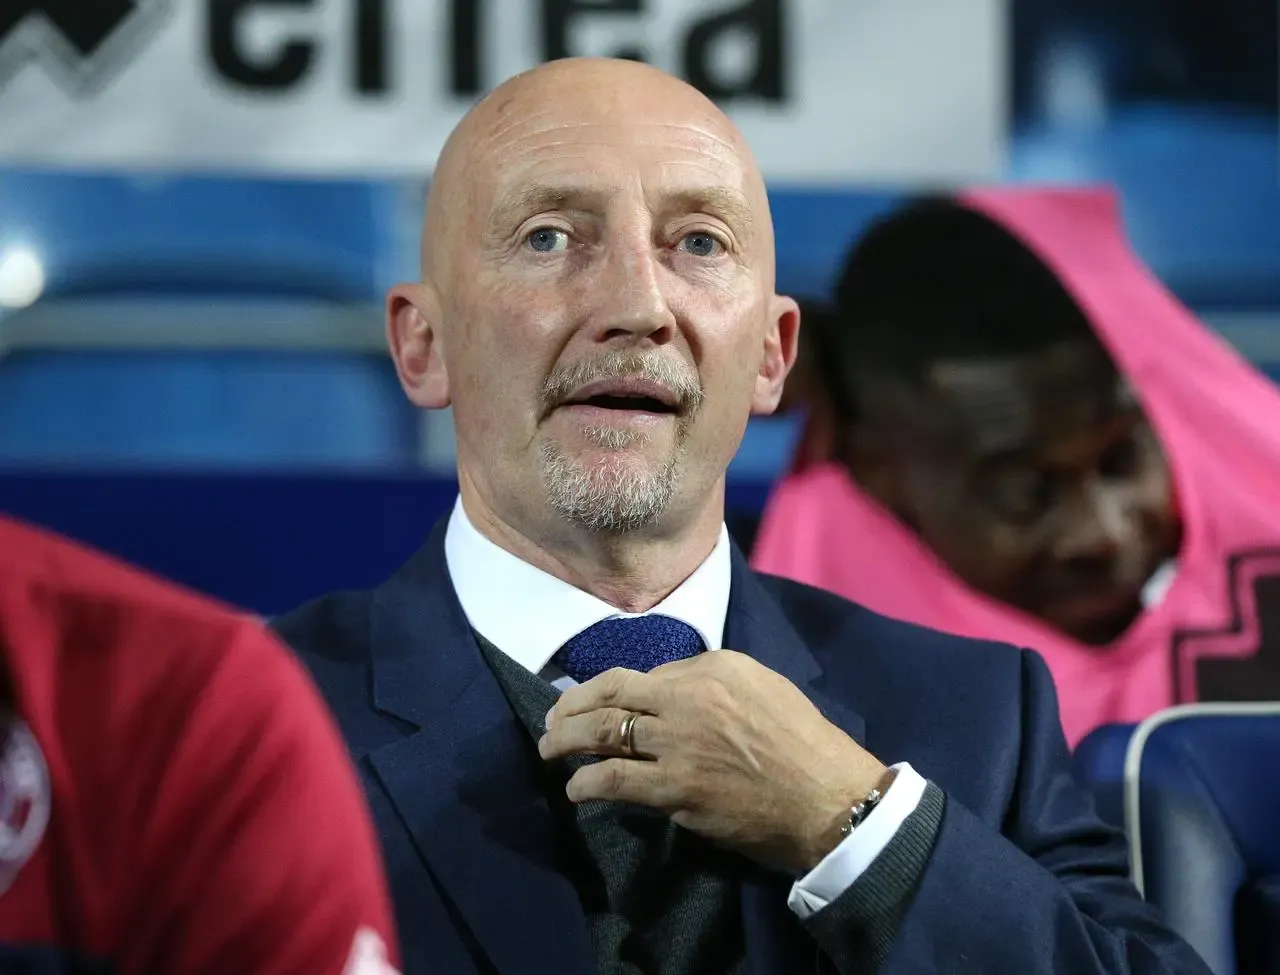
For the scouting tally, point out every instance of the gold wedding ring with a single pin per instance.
(627, 732)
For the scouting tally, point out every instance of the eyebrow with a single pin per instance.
(715, 201)
(1022, 450)
(538, 197)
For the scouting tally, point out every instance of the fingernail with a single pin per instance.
(551, 716)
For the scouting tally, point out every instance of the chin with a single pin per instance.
(607, 450)
(611, 496)
(614, 468)
(1102, 630)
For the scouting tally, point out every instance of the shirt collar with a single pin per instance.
(529, 614)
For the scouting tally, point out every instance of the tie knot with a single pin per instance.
(636, 643)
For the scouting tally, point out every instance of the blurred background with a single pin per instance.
(202, 203)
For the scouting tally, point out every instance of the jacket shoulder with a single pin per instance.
(830, 625)
(945, 703)
(333, 626)
(330, 635)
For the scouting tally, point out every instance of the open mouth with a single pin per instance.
(644, 404)
(626, 396)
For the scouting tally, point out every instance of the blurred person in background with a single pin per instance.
(808, 383)
(805, 396)
(568, 773)
(174, 798)
(1036, 443)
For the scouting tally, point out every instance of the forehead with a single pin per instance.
(1027, 404)
(525, 160)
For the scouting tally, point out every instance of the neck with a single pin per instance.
(632, 572)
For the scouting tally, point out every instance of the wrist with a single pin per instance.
(844, 808)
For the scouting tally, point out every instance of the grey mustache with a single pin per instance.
(566, 380)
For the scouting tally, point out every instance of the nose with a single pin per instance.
(1096, 526)
(632, 306)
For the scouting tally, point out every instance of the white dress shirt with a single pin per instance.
(529, 615)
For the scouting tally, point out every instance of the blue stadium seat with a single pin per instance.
(814, 229)
(230, 410)
(110, 234)
(1201, 197)
(1098, 764)
(1199, 188)
(1202, 805)
(197, 261)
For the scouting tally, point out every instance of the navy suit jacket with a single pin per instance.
(1023, 878)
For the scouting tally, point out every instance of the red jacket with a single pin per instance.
(203, 814)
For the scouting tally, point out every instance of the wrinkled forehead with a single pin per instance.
(1025, 404)
(543, 160)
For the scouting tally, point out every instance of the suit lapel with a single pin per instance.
(464, 780)
(465, 784)
(757, 626)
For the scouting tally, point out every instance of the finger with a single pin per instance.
(617, 688)
(624, 780)
(723, 657)
(686, 665)
(600, 733)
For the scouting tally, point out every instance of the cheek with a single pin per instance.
(932, 498)
(495, 392)
(1152, 488)
(510, 316)
(1154, 479)
(507, 335)
(723, 344)
(987, 552)
(1157, 503)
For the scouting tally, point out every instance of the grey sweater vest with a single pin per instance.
(659, 900)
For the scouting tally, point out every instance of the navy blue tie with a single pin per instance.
(635, 642)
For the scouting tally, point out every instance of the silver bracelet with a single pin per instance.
(859, 812)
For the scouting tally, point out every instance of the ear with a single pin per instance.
(781, 342)
(413, 334)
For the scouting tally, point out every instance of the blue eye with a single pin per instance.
(701, 245)
(546, 240)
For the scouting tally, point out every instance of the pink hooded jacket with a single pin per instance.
(1215, 633)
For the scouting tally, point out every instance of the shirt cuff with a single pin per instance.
(841, 867)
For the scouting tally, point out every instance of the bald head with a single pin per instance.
(555, 103)
(597, 307)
